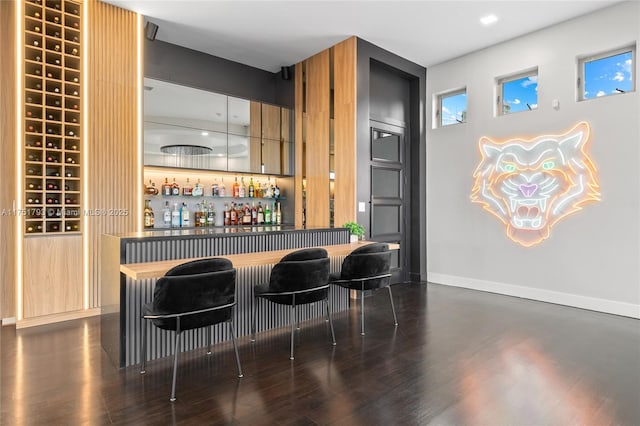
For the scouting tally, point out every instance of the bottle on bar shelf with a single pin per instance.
(214, 188)
(166, 215)
(278, 220)
(252, 189)
(246, 216)
(197, 214)
(148, 215)
(226, 215)
(186, 189)
(175, 216)
(236, 189)
(276, 191)
(254, 214)
(268, 191)
(242, 191)
(175, 188)
(260, 213)
(267, 214)
(222, 191)
(211, 218)
(185, 216)
(166, 187)
(198, 191)
(234, 214)
(203, 215)
(151, 189)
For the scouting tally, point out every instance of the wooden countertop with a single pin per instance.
(139, 271)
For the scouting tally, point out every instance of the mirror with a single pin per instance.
(197, 129)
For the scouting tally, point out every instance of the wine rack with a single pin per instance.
(52, 122)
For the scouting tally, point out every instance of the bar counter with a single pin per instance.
(131, 264)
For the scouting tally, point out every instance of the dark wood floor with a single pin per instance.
(458, 357)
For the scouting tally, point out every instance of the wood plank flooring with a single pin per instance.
(458, 357)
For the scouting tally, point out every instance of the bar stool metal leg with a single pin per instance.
(291, 315)
(253, 319)
(209, 331)
(333, 335)
(143, 354)
(362, 312)
(393, 308)
(175, 360)
(235, 348)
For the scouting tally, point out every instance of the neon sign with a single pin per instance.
(532, 184)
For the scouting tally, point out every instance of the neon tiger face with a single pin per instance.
(530, 185)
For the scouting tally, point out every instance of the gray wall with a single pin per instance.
(591, 258)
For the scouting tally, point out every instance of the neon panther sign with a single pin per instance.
(532, 184)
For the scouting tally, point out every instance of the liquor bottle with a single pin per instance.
(175, 216)
(276, 191)
(203, 215)
(258, 190)
(187, 190)
(175, 188)
(260, 214)
(166, 215)
(166, 187)
(242, 192)
(267, 215)
(222, 191)
(198, 191)
(268, 191)
(233, 214)
(278, 214)
(226, 215)
(214, 188)
(211, 218)
(197, 214)
(148, 215)
(254, 214)
(184, 214)
(246, 216)
(252, 189)
(236, 189)
(151, 189)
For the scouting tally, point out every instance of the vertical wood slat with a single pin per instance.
(317, 139)
(299, 143)
(345, 103)
(112, 117)
(8, 171)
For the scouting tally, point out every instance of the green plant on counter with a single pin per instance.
(355, 229)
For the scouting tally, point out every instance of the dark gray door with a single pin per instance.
(389, 203)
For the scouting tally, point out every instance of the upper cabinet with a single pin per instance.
(197, 129)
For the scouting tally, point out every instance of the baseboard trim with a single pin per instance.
(53, 318)
(8, 321)
(542, 295)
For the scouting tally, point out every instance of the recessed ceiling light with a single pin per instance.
(205, 133)
(489, 20)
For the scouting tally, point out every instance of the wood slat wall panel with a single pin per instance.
(317, 139)
(52, 275)
(298, 141)
(344, 107)
(8, 171)
(112, 116)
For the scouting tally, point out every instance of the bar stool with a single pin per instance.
(366, 268)
(299, 278)
(195, 294)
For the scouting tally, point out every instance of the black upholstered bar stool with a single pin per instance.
(299, 278)
(195, 294)
(366, 268)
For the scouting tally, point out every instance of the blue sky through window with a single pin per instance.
(454, 109)
(520, 94)
(607, 76)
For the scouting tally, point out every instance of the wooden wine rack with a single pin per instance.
(53, 111)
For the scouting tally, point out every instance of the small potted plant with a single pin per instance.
(356, 230)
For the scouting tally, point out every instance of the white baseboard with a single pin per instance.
(568, 299)
(8, 321)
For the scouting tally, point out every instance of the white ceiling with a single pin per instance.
(270, 34)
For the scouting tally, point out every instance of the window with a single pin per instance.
(452, 108)
(518, 92)
(609, 73)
